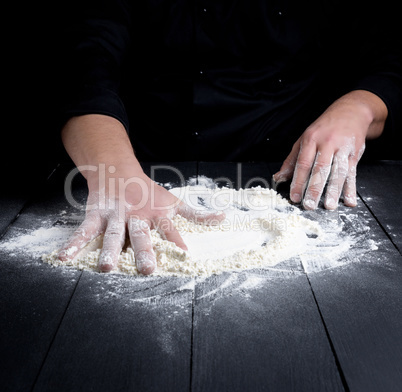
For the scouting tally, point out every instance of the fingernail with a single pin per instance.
(295, 197)
(331, 204)
(309, 204)
(66, 254)
(146, 264)
(350, 200)
(62, 255)
(106, 263)
(106, 267)
(279, 177)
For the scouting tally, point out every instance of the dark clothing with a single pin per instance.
(227, 80)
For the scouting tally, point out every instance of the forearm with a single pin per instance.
(369, 106)
(97, 139)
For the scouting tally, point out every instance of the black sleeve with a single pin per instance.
(379, 66)
(95, 43)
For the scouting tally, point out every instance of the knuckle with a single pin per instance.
(334, 189)
(297, 185)
(303, 165)
(342, 171)
(350, 181)
(314, 192)
(310, 134)
(320, 176)
(114, 232)
(138, 226)
(165, 225)
(352, 171)
(322, 165)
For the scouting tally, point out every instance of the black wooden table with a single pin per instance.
(334, 330)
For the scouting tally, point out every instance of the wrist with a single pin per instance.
(100, 175)
(372, 110)
(98, 139)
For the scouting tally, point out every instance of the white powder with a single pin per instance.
(37, 242)
(261, 229)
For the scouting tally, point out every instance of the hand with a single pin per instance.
(329, 150)
(135, 206)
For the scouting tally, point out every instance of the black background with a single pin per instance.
(32, 70)
(30, 136)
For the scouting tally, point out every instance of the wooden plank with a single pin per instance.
(380, 186)
(10, 207)
(361, 302)
(15, 192)
(33, 299)
(361, 306)
(33, 296)
(260, 329)
(122, 333)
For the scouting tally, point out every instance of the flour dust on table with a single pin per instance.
(261, 229)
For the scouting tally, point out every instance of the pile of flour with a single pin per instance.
(260, 230)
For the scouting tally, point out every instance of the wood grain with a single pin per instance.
(33, 297)
(360, 304)
(260, 337)
(267, 337)
(380, 186)
(276, 329)
(123, 333)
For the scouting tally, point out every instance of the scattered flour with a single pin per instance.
(37, 242)
(261, 229)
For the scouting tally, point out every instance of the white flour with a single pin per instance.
(37, 242)
(261, 229)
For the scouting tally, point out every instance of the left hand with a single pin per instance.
(329, 150)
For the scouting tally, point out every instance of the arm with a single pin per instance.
(95, 135)
(91, 139)
(330, 149)
(98, 139)
(121, 201)
(367, 66)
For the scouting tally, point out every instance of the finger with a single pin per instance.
(304, 163)
(349, 187)
(113, 242)
(91, 228)
(287, 169)
(207, 217)
(140, 237)
(337, 179)
(318, 178)
(167, 230)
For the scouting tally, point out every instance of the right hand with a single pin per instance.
(130, 203)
